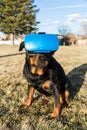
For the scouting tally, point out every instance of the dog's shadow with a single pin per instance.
(77, 77)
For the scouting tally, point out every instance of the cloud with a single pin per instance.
(56, 22)
(72, 18)
(75, 15)
(84, 20)
(65, 7)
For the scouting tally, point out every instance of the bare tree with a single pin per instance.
(63, 30)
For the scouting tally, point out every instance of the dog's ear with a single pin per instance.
(21, 46)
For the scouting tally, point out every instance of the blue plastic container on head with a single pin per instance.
(41, 43)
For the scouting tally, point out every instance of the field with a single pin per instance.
(13, 92)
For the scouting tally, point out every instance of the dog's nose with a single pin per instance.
(40, 59)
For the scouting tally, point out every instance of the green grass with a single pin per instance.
(13, 92)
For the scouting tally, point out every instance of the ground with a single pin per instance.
(13, 92)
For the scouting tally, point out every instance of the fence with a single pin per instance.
(16, 42)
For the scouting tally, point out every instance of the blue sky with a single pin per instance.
(54, 13)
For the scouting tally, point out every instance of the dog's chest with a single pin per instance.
(36, 71)
(46, 85)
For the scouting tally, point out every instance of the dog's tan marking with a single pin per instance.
(36, 59)
(33, 70)
(30, 97)
(31, 60)
(67, 96)
(62, 98)
(46, 84)
(39, 71)
(45, 100)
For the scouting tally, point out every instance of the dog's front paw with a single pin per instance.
(27, 103)
(55, 113)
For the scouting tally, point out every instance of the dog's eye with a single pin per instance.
(41, 58)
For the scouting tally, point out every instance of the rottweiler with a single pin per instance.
(44, 74)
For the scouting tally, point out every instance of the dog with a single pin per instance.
(44, 74)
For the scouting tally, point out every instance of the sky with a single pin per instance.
(55, 13)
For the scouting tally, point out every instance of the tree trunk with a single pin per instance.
(12, 38)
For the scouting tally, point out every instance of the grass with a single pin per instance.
(13, 92)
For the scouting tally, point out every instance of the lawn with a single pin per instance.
(13, 92)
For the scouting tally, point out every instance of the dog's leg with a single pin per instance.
(30, 96)
(68, 86)
(56, 110)
(57, 105)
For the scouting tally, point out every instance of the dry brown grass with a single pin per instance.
(13, 92)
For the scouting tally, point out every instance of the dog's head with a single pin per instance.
(38, 61)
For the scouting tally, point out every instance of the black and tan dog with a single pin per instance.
(46, 75)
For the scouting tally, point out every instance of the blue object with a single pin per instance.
(41, 43)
